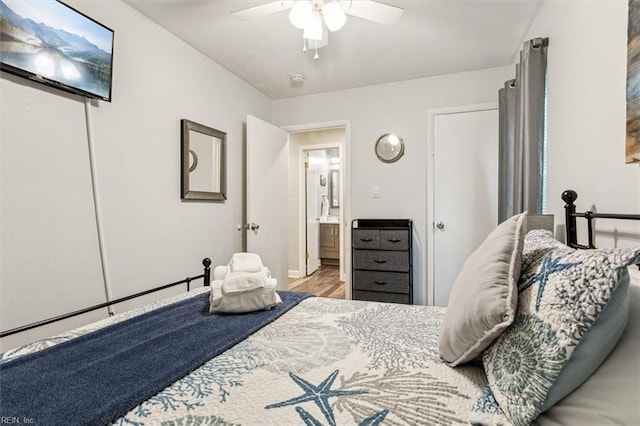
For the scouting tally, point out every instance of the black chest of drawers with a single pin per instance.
(381, 260)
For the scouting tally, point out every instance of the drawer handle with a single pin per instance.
(379, 261)
(394, 240)
(366, 240)
(380, 282)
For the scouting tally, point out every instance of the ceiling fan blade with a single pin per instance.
(373, 11)
(263, 9)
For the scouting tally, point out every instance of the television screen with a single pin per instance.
(50, 42)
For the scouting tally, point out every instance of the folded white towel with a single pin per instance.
(246, 262)
(239, 282)
(255, 300)
(220, 271)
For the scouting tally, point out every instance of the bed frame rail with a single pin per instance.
(206, 276)
(569, 197)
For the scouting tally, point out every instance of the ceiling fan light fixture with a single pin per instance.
(314, 29)
(300, 14)
(334, 16)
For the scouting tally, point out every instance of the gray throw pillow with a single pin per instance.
(484, 296)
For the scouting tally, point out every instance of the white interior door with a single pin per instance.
(465, 191)
(267, 196)
(313, 219)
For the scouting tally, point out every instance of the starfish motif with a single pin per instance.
(549, 266)
(374, 420)
(318, 394)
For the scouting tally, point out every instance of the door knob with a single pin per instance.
(440, 225)
(253, 226)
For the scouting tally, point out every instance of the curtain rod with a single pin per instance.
(538, 42)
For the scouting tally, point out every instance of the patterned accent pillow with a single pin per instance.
(562, 291)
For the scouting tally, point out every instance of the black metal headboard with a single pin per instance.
(569, 196)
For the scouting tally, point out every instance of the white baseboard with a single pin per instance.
(295, 274)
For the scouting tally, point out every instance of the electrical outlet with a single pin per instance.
(375, 191)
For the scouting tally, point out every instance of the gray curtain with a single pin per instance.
(521, 135)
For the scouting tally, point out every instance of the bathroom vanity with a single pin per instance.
(329, 243)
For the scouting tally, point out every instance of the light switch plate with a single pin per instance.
(375, 191)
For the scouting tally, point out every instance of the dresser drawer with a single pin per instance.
(377, 296)
(394, 239)
(381, 253)
(381, 260)
(366, 239)
(391, 282)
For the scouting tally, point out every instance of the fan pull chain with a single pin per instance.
(304, 48)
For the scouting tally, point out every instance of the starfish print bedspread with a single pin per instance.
(325, 362)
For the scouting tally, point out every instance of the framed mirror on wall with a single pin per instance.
(204, 162)
(334, 188)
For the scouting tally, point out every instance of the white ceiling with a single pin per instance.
(433, 37)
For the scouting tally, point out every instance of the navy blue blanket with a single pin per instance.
(97, 378)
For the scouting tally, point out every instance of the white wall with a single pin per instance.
(50, 260)
(49, 252)
(400, 108)
(586, 83)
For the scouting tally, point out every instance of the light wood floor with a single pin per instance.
(324, 282)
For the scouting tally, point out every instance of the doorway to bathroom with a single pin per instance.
(316, 236)
(322, 208)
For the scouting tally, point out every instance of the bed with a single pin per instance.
(317, 361)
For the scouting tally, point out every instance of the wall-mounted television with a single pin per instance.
(52, 43)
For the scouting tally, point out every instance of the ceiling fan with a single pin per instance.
(314, 17)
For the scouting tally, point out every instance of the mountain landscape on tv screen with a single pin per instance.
(53, 53)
